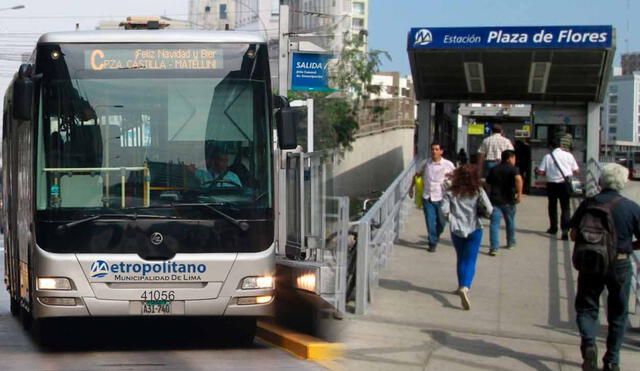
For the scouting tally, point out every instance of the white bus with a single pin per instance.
(139, 176)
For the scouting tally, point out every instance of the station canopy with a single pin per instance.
(511, 64)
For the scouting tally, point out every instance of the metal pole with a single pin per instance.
(310, 147)
(283, 51)
(362, 268)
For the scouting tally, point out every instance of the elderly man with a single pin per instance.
(625, 216)
(491, 149)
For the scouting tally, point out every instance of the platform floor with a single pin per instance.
(522, 315)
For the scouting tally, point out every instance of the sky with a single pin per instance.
(391, 20)
(41, 16)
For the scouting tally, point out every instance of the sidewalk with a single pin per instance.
(522, 315)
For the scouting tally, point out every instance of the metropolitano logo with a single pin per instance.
(423, 37)
(99, 268)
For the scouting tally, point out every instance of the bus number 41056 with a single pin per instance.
(158, 295)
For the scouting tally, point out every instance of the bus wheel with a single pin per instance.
(25, 318)
(241, 331)
(14, 306)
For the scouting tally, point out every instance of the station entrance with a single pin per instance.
(539, 83)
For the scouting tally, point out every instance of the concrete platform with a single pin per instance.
(522, 315)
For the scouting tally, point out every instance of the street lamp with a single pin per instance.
(13, 7)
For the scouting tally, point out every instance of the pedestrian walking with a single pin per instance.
(523, 162)
(462, 157)
(462, 206)
(491, 149)
(434, 172)
(555, 166)
(505, 191)
(625, 223)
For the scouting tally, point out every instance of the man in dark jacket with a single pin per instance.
(626, 219)
(505, 191)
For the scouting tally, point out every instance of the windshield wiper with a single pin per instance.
(64, 227)
(244, 226)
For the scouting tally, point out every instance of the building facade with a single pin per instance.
(621, 115)
(630, 62)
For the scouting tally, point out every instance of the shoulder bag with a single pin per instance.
(570, 185)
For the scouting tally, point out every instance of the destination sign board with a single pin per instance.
(153, 59)
(533, 37)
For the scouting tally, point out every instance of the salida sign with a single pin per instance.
(535, 37)
(310, 72)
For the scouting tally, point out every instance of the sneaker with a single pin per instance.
(493, 252)
(431, 249)
(610, 367)
(464, 298)
(510, 247)
(565, 237)
(590, 359)
(552, 231)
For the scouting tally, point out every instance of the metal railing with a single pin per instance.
(377, 231)
(317, 223)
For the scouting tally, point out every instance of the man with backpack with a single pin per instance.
(603, 228)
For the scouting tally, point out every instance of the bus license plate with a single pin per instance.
(156, 308)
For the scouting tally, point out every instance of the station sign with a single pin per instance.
(475, 129)
(532, 37)
(310, 72)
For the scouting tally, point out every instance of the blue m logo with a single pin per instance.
(423, 37)
(99, 268)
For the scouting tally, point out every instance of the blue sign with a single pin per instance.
(310, 72)
(534, 37)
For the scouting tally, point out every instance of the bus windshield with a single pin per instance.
(152, 126)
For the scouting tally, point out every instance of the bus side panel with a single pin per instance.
(24, 211)
(10, 199)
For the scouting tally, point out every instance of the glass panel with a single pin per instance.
(195, 130)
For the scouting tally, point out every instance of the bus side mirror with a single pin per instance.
(23, 90)
(287, 127)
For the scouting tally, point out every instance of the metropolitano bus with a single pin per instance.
(104, 133)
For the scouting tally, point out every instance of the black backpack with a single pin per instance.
(595, 247)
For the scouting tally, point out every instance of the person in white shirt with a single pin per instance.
(490, 151)
(556, 190)
(434, 172)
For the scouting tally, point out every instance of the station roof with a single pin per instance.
(511, 64)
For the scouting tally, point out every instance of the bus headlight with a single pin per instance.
(266, 299)
(263, 282)
(65, 302)
(54, 283)
(306, 281)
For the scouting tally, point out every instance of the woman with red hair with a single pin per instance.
(463, 204)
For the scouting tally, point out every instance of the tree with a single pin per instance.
(336, 119)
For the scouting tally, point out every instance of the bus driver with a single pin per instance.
(217, 173)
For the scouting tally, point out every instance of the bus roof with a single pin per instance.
(152, 36)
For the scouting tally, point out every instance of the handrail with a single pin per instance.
(377, 231)
(122, 170)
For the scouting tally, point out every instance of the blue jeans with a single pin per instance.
(508, 212)
(488, 165)
(467, 253)
(618, 283)
(435, 222)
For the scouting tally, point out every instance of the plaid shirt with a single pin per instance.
(493, 146)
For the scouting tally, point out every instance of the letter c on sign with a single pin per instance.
(94, 66)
